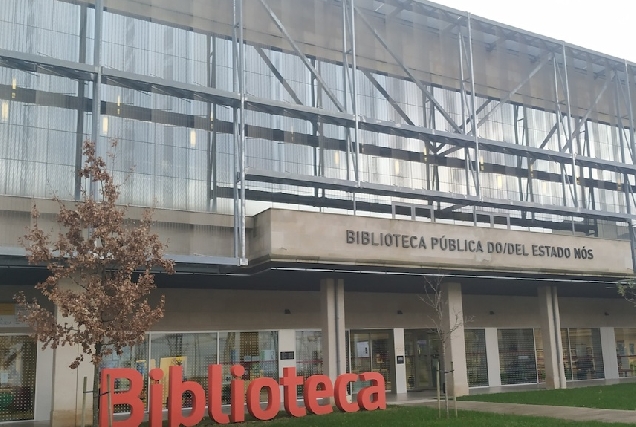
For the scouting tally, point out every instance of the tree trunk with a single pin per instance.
(96, 372)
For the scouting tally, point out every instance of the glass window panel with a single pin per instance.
(517, 356)
(584, 358)
(135, 357)
(626, 351)
(194, 352)
(50, 28)
(476, 362)
(18, 357)
(308, 354)
(422, 359)
(370, 351)
(257, 352)
(538, 343)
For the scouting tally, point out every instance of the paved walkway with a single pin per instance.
(561, 412)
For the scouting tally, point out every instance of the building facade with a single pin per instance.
(316, 165)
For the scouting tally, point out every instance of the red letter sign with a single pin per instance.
(374, 396)
(311, 394)
(340, 393)
(290, 382)
(254, 398)
(176, 388)
(129, 397)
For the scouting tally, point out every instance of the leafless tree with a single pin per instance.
(435, 298)
(108, 259)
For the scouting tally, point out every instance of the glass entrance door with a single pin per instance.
(371, 351)
(422, 354)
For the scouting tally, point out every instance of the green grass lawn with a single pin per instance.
(619, 396)
(417, 416)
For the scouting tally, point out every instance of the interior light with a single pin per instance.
(14, 83)
(193, 138)
(336, 158)
(104, 125)
(499, 182)
(4, 111)
(397, 167)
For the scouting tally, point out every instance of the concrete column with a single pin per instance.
(453, 324)
(67, 383)
(608, 347)
(492, 357)
(550, 322)
(286, 344)
(43, 384)
(398, 378)
(333, 330)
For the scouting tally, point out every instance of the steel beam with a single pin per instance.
(583, 119)
(277, 74)
(573, 152)
(473, 107)
(388, 97)
(508, 97)
(258, 175)
(242, 163)
(81, 89)
(302, 56)
(354, 97)
(408, 72)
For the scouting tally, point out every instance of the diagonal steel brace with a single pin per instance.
(302, 56)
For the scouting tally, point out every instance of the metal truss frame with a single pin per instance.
(573, 141)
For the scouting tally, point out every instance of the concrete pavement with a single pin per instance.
(561, 412)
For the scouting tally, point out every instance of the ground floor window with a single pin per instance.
(422, 359)
(517, 356)
(194, 351)
(626, 351)
(18, 357)
(308, 354)
(476, 361)
(582, 354)
(257, 352)
(370, 352)
(538, 345)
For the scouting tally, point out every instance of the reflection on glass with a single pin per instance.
(476, 362)
(625, 351)
(517, 356)
(256, 352)
(583, 358)
(422, 358)
(308, 354)
(17, 377)
(135, 357)
(370, 352)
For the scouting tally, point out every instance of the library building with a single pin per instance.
(345, 186)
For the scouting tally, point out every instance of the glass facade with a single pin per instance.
(371, 352)
(517, 356)
(308, 355)
(626, 351)
(582, 354)
(476, 360)
(18, 362)
(173, 79)
(194, 352)
(422, 359)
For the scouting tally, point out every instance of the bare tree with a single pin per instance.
(108, 261)
(435, 298)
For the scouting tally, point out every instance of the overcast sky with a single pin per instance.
(605, 26)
